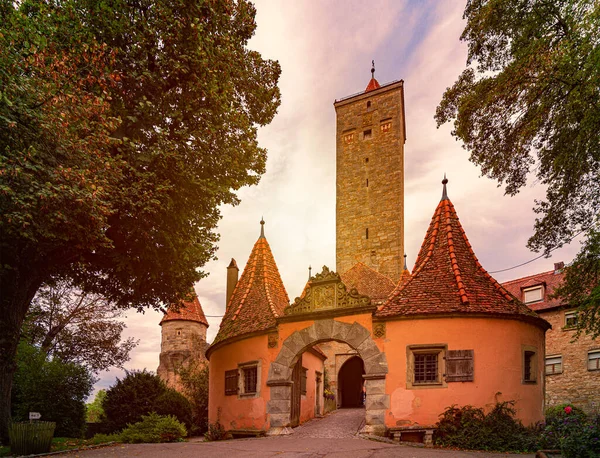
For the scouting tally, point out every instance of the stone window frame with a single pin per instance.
(571, 315)
(242, 394)
(548, 363)
(593, 355)
(438, 349)
(529, 365)
(539, 288)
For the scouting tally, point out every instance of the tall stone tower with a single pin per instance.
(370, 138)
(183, 341)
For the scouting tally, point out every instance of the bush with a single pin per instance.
(216, 431)
(105, 438)
(568, 428)
(154, 428)
(51, 387)
(470, 428)
(172, 402)
(130, 398)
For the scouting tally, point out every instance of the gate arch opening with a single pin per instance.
(351, 383)
(356, 336)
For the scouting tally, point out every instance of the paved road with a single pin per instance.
(331, 437)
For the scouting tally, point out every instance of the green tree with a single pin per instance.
(194, 382)
(53, 388)
(528, 103)
(77, 327)
(123, 127)
(94, 413)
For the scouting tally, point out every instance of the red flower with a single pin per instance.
(568, 410)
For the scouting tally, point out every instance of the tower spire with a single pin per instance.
(405, 266)
(444, 192)
(372, 69)
(262, 228)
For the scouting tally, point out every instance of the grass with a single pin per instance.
(59, 444)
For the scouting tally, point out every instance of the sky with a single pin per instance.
(325, 49)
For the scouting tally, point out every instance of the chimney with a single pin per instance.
(232, 279)
(558, 266)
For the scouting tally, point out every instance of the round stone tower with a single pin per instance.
(183, 341)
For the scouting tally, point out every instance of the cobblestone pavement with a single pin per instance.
(333, 436)
(339, 424)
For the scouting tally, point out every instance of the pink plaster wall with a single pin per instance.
(308, 401)
(497, 346)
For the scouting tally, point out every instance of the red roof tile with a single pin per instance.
(258, 298)
(550, 280)
(448, 278)
(373, 84)
(368, 282)
(188, 311)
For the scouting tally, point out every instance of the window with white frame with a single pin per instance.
(570, 319)
(594, 360)
(554, 365)
(534, 294)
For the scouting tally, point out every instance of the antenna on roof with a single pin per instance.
(262, 228)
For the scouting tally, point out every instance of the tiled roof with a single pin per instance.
(188, 311)
(448, 278)
(258, 298)
(373, 84)
(550, 280)
(368, 282)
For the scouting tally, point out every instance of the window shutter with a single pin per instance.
(459, 366)
(303, 380)
(231, 382)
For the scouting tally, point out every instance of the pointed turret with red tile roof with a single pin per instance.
(187, 311)
(259, 296)
(373, 83)
(368, 282)
(448, 278)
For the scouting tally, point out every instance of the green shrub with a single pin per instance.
(568, 429)
(216, 431)
(470, 428)
(130, 398)
(154, 428)
(51, 387)
(172, 402)
(194, 380)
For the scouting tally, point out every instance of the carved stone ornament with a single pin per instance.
(325, 291)
(273, 340)
(379, 330)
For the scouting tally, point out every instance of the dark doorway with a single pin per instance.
(350, 382)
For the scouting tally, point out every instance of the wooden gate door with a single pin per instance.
(296, 394)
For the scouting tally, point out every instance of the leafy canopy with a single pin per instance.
(529, 103)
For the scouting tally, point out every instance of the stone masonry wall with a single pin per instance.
(576, 384)
(183, 343)
(370, 181)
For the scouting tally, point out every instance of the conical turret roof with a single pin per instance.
(188, 311)
(259, 296)
(448, 278)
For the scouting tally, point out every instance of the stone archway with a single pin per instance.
(355, 335)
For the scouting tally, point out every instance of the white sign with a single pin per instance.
(35, 415)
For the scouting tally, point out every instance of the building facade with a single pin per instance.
(572, 365)
(416, 343)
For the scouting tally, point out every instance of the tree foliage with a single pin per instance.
(528, 103)
(194, 381)
(54, 388)
(94, 413)
(138, 394)
(77, 327)
(123, 127)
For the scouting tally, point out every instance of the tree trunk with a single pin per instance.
(17, 292)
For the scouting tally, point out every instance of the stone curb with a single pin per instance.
(58, 452)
